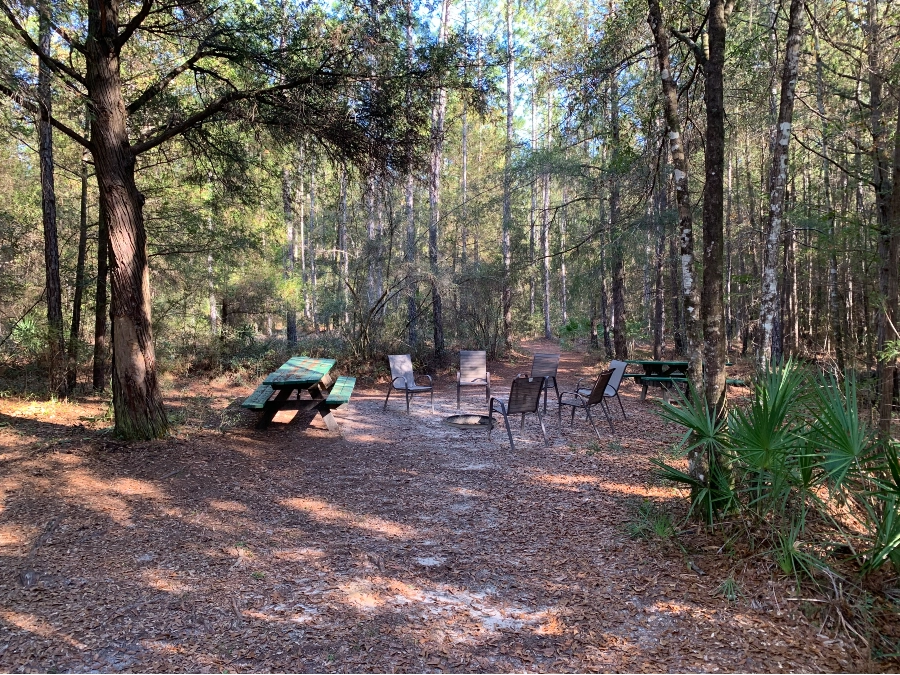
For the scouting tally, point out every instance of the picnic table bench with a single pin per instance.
(299, 374)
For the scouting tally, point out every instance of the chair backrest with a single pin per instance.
(401, 366)
(618, 368)
(525, 395)
(545, 365)
(472, 366)
(599, 387)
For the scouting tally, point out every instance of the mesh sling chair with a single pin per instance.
(524, 399)
(587, 399)
(612, 389)
(545, 366)
(473, 373)
(403, 379)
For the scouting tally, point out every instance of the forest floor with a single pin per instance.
(401, 544)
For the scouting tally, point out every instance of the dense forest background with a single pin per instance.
(472, 172)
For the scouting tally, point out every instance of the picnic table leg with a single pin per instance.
(644, 391)
(271, 408)
(330, 422)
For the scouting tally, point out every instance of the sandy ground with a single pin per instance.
(401, 544)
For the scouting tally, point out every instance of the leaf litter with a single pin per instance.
(401, 544)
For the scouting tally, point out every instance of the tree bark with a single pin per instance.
(75, 327)
(55, 337)
(434, 199)
(713, 210)
(344, 275)
(507, 184)
(100, 323)
(137, 400)
(617, 250)
(545, 250)
(563, 281)
(290, 253)
(659, 292)
(769, 349)
(689, 287)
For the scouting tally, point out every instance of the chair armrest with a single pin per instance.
(500, 403)
(403, 380)
(580, 380)
(430, 380)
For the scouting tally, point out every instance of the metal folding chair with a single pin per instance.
(473, 372)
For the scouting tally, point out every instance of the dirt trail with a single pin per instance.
(404, 545)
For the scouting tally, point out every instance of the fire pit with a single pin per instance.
(468, 421)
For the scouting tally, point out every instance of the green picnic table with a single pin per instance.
(665, 373)
(661, 373)
(299, 374)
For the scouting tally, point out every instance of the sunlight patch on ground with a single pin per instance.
(38, 626)
(11, 536)
(331, 515)
(568, 482)
(105, 496)
(637, 490)
(161, 580)
(299, 554)
(224, 505)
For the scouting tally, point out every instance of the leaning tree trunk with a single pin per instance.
(690, 292)
(768, 307)
(545, 250)
(56, 339)
(137, 400)
(290, 254)
(713, 210)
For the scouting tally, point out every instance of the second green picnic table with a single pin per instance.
(658, 372)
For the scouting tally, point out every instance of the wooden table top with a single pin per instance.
(300, 371)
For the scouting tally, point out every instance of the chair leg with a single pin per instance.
(490, 419)
(545, 396)
(543, 430)
(522, 426)
(559, 414)
(432, 401)
(591, 420)
(407, 400)
(605, 407)
(512, 445)
(572, 421)
(556, 388)
(390, 388)
(624, 416)
(457, 397)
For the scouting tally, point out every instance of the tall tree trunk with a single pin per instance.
(75, 328)
(545, 250)
(888, 324)
(532, 213)
(660, 208)
(769, 305)
(434, 199)
(344, 274)
(412, 309)
(563, 281)
(137, 400)
(56, 338)
(507, 183)
(713, 210)
(100, 301)
(311, 242)
(211, 282)
(690, 290)
(617, 250)
(290, 253)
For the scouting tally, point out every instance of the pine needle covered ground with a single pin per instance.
(402, 545)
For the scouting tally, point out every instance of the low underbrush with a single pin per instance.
(807, 486)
